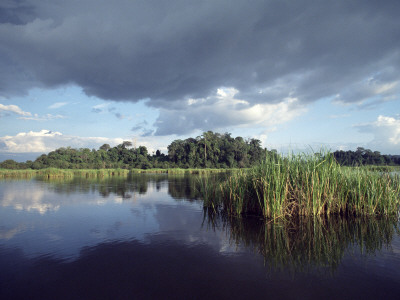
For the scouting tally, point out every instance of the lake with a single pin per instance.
(148, 237)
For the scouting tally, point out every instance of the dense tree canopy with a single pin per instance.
(214, 150)
(365, 157)
(210, 150)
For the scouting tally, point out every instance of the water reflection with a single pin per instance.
(307, 243)
(115, 237)
(38, 194)
(62, 216)
(121, 186)
(179, 186)
(24, 195)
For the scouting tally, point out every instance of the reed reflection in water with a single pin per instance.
(304, 244)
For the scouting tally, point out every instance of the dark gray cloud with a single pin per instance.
(140, 126)
(143, 127)
(147, 132)
(118, 116)
(102, 108)
(16, 12)
(169, 51)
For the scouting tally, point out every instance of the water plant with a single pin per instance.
(93, 173)
(307, 185)
(62, 173)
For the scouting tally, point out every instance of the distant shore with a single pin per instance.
(93, 173)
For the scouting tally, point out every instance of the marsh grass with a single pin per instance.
(94, 173)
(306, 185)
(382, 168)
(179, 171)
(63, 173)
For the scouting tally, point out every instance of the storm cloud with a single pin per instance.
(172, 51)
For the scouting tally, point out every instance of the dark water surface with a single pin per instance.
(147, 237)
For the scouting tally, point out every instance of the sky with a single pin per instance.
(294, 74)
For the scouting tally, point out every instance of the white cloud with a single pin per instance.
(388, 128)
(24, 115)
(45, 141)
(100, 107)
(222, 110)
(57, 105)
(386, 134)
(14, 109)
(45, 117)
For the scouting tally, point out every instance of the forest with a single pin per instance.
(210, 150)
(363, 156)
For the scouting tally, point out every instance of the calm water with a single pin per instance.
(148, 237)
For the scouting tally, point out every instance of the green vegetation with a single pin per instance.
(62, 173)
(100, 173)
(180, 171)
(211, 150)
(304, 185)
(264, 183)
(365, 157)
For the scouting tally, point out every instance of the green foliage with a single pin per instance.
(365, 157)
(211, 150)
(214, 150)
(307, 185)
(63, 173)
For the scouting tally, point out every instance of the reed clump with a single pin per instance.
(306, 185)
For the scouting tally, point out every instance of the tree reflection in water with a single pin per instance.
(180, 186)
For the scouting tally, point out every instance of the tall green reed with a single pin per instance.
(63, 173)
(307, 184)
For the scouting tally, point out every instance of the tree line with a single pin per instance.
(210, 150)
(365, 157)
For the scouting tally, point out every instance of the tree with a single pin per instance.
(105, 147)
(126, 144)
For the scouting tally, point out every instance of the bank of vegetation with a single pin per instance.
(364, 157)
(304, 185)
(210, 150)
(101, 173)
(264, 183)
(62, 173)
